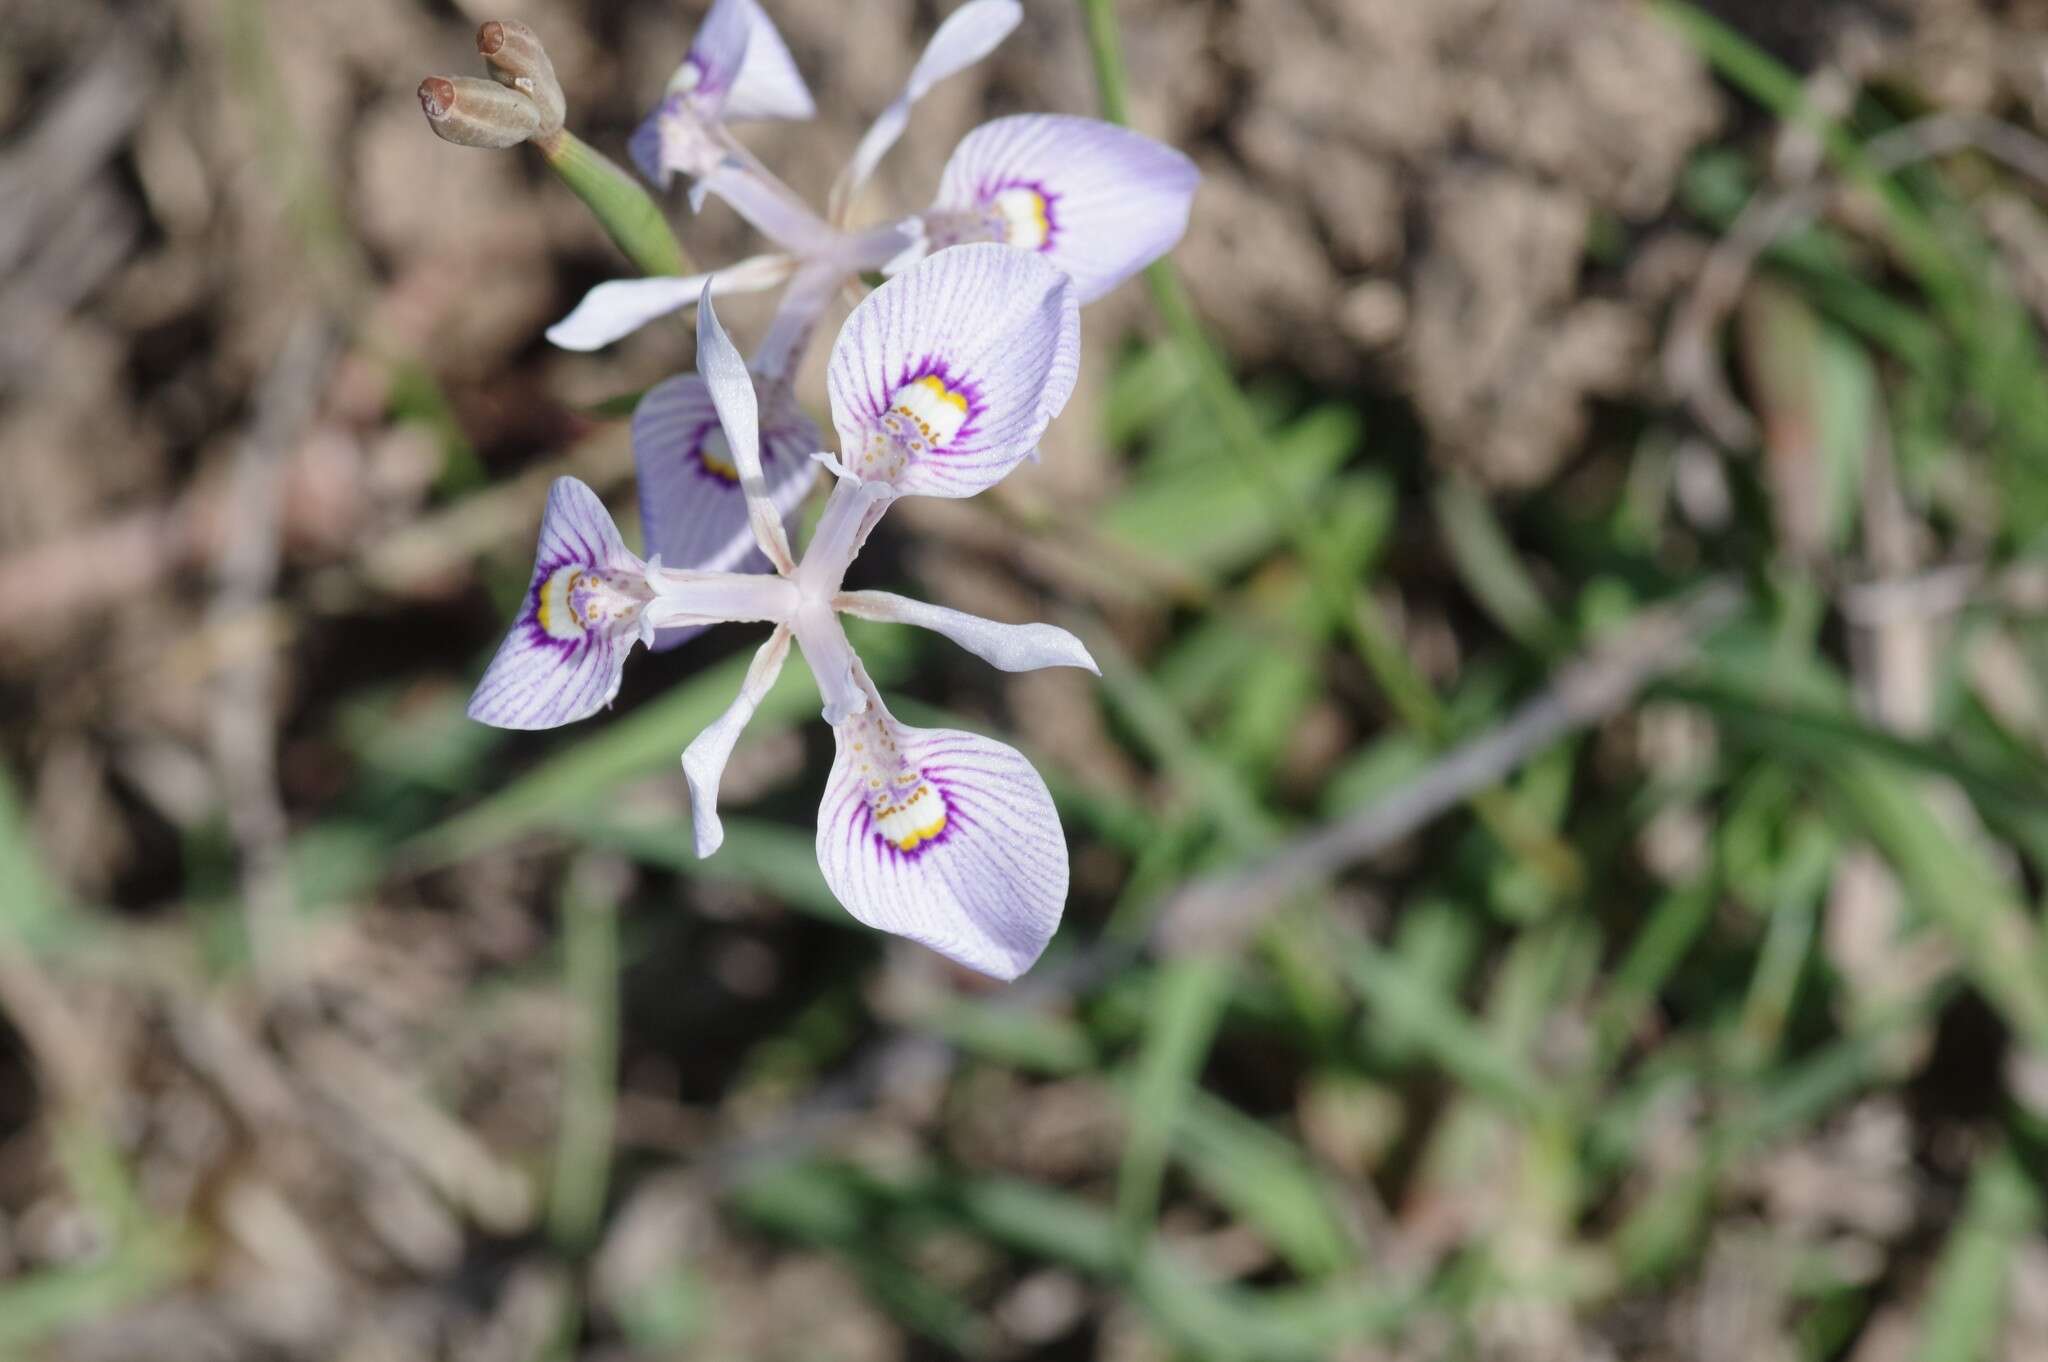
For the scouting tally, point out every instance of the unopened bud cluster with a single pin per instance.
(521, 102)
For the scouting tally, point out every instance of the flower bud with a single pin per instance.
(516, 59)
(478, 113)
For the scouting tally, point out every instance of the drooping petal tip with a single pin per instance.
(704, 760)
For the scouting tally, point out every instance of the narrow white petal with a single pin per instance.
(622, 306)
(704, 759)
(732, 392)
(947, 838)
(1010, 647)
(768, 206)
(968, 34)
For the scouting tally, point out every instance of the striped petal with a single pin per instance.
(968, 34)
(581, 616)
(692, 511)
(947, 375)
(704, 759)
(947, 838)
(1098, 200)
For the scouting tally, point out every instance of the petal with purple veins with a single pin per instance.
(580, 617)
(944, 837)
(1098, 200)
(945, 377)
(692, 510)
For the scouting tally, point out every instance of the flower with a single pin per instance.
(1097, 199)
(737, 70)
(941, 381)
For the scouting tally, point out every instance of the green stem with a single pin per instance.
(626, 212)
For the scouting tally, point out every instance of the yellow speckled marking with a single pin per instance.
(911, 821)
(937, 410)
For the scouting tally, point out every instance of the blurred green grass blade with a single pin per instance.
(590, 980)
(919, 1303)
(1666, 936)
(776, 858)
(31, 912)
(1188, 998)
(1950, 880)
(1804, 873)
(37, 1307)
(1164, 733)
(1489, 566)
(1033, 1041)
(1434, 946)
(1144, 389)
(1196, 515)
(1264, 1180)
(1042, 1223)
(1788, 728)
(1440, 1029)
(805, 1200)
(1966, 1306)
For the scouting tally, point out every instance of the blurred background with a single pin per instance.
(1558, 845)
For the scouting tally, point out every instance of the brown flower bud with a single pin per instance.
(478, 113)
(516, 59)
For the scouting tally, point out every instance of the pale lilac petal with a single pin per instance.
(679, 137)
(692, 510)
(646, 145)
(947, 838)
(622, 306)
(968, 34)
(732, 392)
(1009, 647)
(567, 648)
(769, 207)
(1098, 200)
(947, 375)
(718, 53)
(704, 759)
(797, 315)
(768, 84)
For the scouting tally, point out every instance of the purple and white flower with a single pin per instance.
(1096, 199)
(737, 70)
(942, 380)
